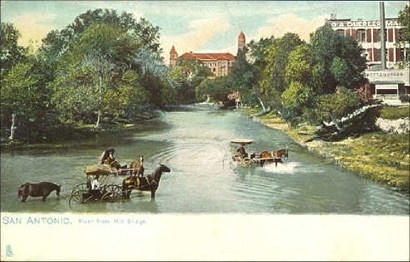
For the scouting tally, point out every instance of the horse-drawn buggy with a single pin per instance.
(243, 158)
(106, 182)
(101, 185)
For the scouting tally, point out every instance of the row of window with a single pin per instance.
(392, 54)
(215, 64)
(371, 35)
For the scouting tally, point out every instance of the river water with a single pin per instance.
(194, 142)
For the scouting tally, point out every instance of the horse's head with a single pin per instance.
(58, 189)
(282, 153)
(164, 168)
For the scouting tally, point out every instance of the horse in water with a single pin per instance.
(137, 166)
(148, 183)
(274, 156)
(42, 189)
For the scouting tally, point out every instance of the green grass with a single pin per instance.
(393, 113)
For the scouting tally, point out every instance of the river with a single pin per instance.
(194, 142)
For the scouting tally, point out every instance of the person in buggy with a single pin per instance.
(242, 151)
(107, 158)
(95, 187)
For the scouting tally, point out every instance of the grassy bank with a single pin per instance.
(377, 156)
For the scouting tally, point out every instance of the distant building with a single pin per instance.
(367, 33)
(390, 84)
(218, 63)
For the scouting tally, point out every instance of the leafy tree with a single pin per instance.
(272, 80)
(186, 76)
(10, 52)
(299, 94)
(242, 75)
(257, 56)
(299, 66)
(57, 43)
(404, 38)
(295, 99)
(337, 105)
(217, 89)
(112, 60)
(23, 94)
(337, 60)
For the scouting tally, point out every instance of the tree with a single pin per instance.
(257, 57)
(299, 94)
(57, 43)
(23, 96)
(242, 75)
(111, 56)
(404, 37)
(272, 80)
(10, 52)
(186, 76)
(337, 60)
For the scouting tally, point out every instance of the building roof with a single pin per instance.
(208, 56)
(241, 35)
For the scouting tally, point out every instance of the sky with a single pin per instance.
(197, 26)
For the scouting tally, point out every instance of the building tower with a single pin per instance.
(241, 40)
(173, 55)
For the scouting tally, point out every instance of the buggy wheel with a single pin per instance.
(76, 198)
(79, 187)
(111, 193)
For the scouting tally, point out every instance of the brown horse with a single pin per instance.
(148, 183)
(42, 189)
(274, 156)
(137, 166)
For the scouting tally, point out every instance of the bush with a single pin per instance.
(337, 105)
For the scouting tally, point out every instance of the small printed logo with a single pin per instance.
(9, 251)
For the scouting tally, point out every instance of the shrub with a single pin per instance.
(337, 105)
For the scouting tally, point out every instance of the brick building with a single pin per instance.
(367, 33)
(389, 84)
(218, 63)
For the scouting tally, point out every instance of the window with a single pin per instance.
(361, 35)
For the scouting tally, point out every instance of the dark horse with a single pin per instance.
(148, 183)
(42, 189)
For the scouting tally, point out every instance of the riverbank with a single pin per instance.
(378, 156)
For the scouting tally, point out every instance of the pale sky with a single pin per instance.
(198, 26)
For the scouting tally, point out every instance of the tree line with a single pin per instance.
(103, 65)
(107, 67)
(302, 81)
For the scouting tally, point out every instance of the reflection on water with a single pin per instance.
(195, 143)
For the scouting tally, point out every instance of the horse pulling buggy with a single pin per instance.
(113, 186)
(243, 158)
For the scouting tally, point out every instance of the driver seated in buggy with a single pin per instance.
(242, 151)
(107, 158)
(94, 188)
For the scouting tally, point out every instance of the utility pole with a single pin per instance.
(382, 36)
